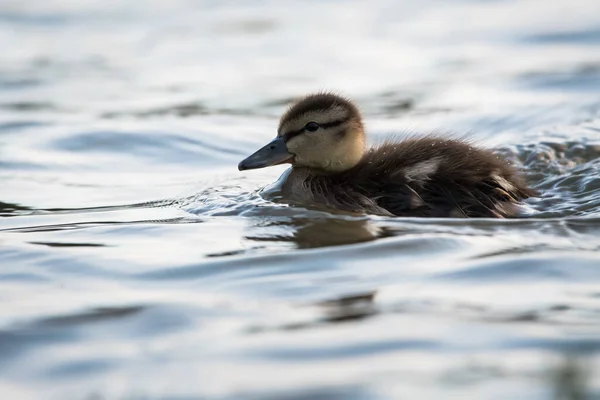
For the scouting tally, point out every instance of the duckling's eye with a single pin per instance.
(312, 126)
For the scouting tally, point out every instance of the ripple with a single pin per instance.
(530, 268)
(351, 350)
(580, 78)
(9, 127)
(579, 37)
(565, 173)
(96, 315)
(167, 147)
(28, 106)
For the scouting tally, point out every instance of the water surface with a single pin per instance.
(136, 262)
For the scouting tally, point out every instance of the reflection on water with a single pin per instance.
(309, 233)
(137, 262)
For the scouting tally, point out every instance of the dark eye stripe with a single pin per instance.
(334, 123)
(288, 135)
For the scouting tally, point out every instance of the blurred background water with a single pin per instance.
(136, 262)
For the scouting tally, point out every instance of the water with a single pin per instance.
(136, 262)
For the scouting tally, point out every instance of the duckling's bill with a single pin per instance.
(274, 153)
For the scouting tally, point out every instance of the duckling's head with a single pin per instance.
(321, 131)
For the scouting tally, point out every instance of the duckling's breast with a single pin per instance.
(295, 185)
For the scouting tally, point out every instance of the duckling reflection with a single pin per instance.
(309, 233)
(323, 137)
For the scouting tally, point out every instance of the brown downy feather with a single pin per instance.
(426, 177)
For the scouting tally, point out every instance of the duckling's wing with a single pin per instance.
(433, 177)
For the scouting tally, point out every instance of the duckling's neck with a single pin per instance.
(346, 159)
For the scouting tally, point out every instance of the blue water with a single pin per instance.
(136, 262)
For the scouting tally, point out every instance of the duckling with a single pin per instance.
(322, 136)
